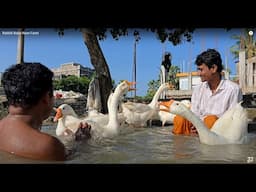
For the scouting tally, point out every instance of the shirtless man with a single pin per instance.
(29, 91)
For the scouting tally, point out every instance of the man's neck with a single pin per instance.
(27, 116)
(214, 84)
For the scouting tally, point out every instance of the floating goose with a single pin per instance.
(67, 119)
(137, 114)
(230, 128)
(167, 117)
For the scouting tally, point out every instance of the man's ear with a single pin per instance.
(214, 68)
(46, 98)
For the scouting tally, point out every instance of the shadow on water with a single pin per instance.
(155, 145)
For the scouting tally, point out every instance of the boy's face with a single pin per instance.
(48, 103)
(205, 72)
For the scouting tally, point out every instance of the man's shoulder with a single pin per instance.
(49, 139)
(200, 85)
(230, 84)
(51, 147)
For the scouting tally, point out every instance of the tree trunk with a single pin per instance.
(100, 66)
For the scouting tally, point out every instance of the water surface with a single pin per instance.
(155, 145)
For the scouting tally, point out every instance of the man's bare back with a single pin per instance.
(20, 139)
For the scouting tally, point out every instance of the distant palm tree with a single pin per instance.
(172, 76)
(246, 42)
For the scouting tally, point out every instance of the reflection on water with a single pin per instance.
(155, 145)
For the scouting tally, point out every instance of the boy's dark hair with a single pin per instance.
(24, 84)
(209, 58)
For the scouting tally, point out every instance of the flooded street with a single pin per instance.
(155, 145)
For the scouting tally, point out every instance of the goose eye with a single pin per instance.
(63, 108)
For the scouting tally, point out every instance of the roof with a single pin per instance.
(194, 73)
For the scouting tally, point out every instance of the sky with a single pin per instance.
(45, 46)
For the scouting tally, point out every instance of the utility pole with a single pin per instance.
(190, 69)
(137, 38)
(20, 47)
(242, 64)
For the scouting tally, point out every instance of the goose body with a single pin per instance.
(95, 115)
(67, 119)
(167, 117)
(101, 126)
(230, 128)
(137, 114)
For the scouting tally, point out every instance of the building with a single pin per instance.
(72, 68)
(246, 69)
(187, 81)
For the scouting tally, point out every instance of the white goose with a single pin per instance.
(137, 114)
(167, 117)
(67, 120)
(93, 104)
(99, 127)
(230, 128)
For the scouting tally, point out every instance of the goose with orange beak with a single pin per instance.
(166, 117)
(230, 128)
(137, 114)
(102, 126)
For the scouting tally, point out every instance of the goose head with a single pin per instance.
(175, 107)
(64, 110)
(121, 89)
(186, 102)
(67, 120)
(126, 86)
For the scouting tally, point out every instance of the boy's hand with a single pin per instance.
(83, 132)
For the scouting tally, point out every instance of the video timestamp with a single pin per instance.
(250, 159)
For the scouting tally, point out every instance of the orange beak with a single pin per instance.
(58, 114)
(130, 85)
(167, 105)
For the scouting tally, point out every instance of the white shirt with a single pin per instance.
(204, 102)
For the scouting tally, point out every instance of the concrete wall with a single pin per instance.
(78, 104)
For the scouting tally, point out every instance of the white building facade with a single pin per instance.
(72, 68)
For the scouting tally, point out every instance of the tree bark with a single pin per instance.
(100, 65)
